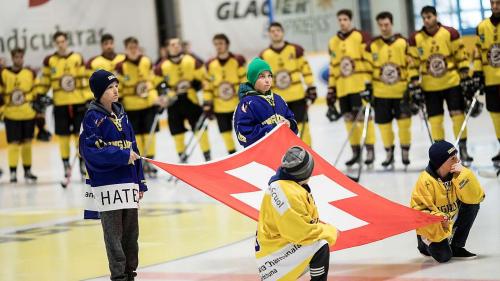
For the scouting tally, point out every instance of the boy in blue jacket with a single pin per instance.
(260, 110)
(108, 146)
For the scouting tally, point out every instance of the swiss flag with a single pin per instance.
(240, 180)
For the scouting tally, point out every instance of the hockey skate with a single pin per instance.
(388, 163)
(370, 155)
(355, 156)
(149, 170)
(29, 176)
(464, 155)
(496, 161)
(405, 156)
(207, 156)
(13, 176)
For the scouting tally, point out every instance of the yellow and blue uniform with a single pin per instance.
(290, 72)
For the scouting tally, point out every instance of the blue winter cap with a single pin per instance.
(439, 152)
(99, 82)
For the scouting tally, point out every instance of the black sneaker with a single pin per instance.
(462, 253)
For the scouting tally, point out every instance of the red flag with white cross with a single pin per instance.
(240, 180)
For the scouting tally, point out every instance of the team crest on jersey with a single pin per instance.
(346, 66)
(283, 79)
(183, 86)
(226, 91)
(17, 97)
(68, 83)
(494, 55)
(389, 73)
(436, 65)
(141, 89)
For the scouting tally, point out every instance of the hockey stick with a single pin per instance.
(304, 120)
(425, 118)
(358, 115)
(363, 142)
(196, 128)
(67, 177)
(464, 124)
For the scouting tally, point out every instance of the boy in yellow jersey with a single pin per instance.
(443, 63)
(140, 98)
(107, 60)
(181, 71)
(290, 68)
(487, 67)
(18, 90)
(289, 230)
(64, 73)
(389, 61)
(349, 72)
(449, 190)
(224, 73)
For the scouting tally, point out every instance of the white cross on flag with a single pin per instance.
(239, 181)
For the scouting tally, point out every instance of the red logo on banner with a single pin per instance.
(240, 181)
(34, 3)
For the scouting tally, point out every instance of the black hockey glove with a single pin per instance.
(208, 109)
(41, 103)
(416, 94)
(468, 90)
(367, 94)
(333, 114)
(331, 96)
(478, 81)
(311, 94)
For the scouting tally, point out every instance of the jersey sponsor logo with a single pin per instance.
(390, 73)
(436, 65)
(226, 91)
(278, 198)
(68, 83)
(283, 79)
(17, 97)
(141, 89)
(346, 66)
(183, 86)
(494, 55)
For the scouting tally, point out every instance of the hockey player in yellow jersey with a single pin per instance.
(64, 73)
(443, 64)
(107, 60)
(349, 73)
(389, 62)
(290, 68)
(224, 73)
(449, 190)
(183, 72)
(289, 223)
(140, 98)
(487, 67)
(18, 91)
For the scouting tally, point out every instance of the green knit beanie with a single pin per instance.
(255, 68)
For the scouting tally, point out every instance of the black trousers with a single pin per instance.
(121, 232)
(441, 251)
(318, 266)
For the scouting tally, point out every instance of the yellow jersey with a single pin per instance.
(432, 196)
(180, 75)
(388, 59)
(223, 79)
(65, 75)
(439, 57)
(487, 51)
(290, 70)
(18, 90)
(349, 68)
(102, 61)
(136, 83)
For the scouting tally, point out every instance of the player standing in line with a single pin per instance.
(291, 68)
(349, 74)
(487, 67)
(182, 72)
(17, 90)
(224, 73)
(107, 60)
(443, 64)
(389, 61)
(64, 73)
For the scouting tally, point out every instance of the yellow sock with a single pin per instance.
(457, 124)
(149, 145)
(13, 154)
(306, 135)
(370, 132)
(180, 146)
(228, 141)
(140, 143)
(495, 116)
(64, 146)
(404, 129)
(387, 134)
(26, 153)
(204, 143)
(437, 130)
(355, 137)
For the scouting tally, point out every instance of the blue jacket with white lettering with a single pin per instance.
(105, 144)
(257, 114)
